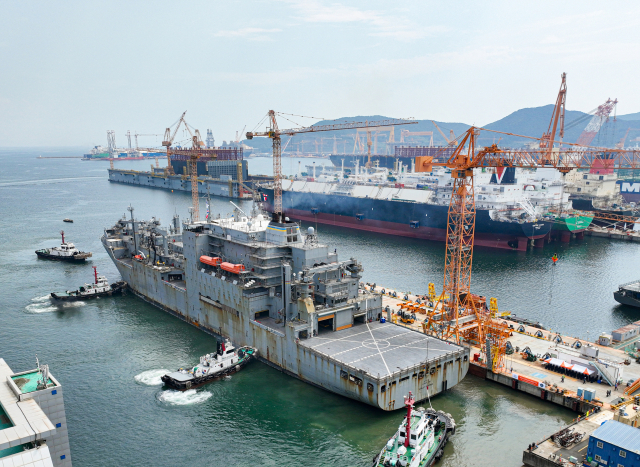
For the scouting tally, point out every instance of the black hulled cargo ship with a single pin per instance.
(401, 217)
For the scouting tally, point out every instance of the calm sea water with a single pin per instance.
(109, 353)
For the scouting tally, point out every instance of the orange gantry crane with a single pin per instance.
(463, 315)
(275, 134)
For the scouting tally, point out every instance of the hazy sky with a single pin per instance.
(73, 69)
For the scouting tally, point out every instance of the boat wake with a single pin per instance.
(188, 397)
(150, 377)
(45, 305)
(45, 181)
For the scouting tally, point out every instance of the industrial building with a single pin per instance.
(614, 444)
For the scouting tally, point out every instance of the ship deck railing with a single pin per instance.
(636, 282)
(267, 327)
(177, 285)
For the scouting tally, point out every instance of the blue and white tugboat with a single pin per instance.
(225, 361)
(420, 439)
(64, 252)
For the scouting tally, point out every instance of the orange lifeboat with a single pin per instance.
(234, 268)
(210, 261)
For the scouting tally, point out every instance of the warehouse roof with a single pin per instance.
(620, 435)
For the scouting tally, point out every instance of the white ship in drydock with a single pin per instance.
(259, 282)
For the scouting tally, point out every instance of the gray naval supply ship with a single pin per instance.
(259, 282)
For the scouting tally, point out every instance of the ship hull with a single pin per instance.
(583, 204)
(116, 288)
(414, 220)
(194, 302)
(202, 380)
(70, 259)
(575, 224)
(624, 300)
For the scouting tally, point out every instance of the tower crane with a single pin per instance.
(458, 314)
(169, 136)
(452, 135)
(275, 134)
(620, 144)
(556, 117)
(239, 135)
(405, 133)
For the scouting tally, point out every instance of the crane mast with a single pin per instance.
(457, 313)
(275, 134)
(556, 117)
(169, 137)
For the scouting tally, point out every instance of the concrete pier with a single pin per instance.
(535, 379)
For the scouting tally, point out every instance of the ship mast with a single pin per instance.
(408, 402)
(95, 273)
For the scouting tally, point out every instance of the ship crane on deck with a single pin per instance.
(275, 134)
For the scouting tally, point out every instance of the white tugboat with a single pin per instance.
(225, 361)
(420, 439)
(64, 252)
(99, 288)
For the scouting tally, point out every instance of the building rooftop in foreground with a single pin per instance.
(33, 431)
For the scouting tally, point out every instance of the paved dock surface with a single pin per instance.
(550, 450)
(516, 364)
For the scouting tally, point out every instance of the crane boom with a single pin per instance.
(275, 134)
(443, 135)
(457, 301)
(599, 118)
(556, 117)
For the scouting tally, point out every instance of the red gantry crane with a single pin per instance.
(275, 134)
